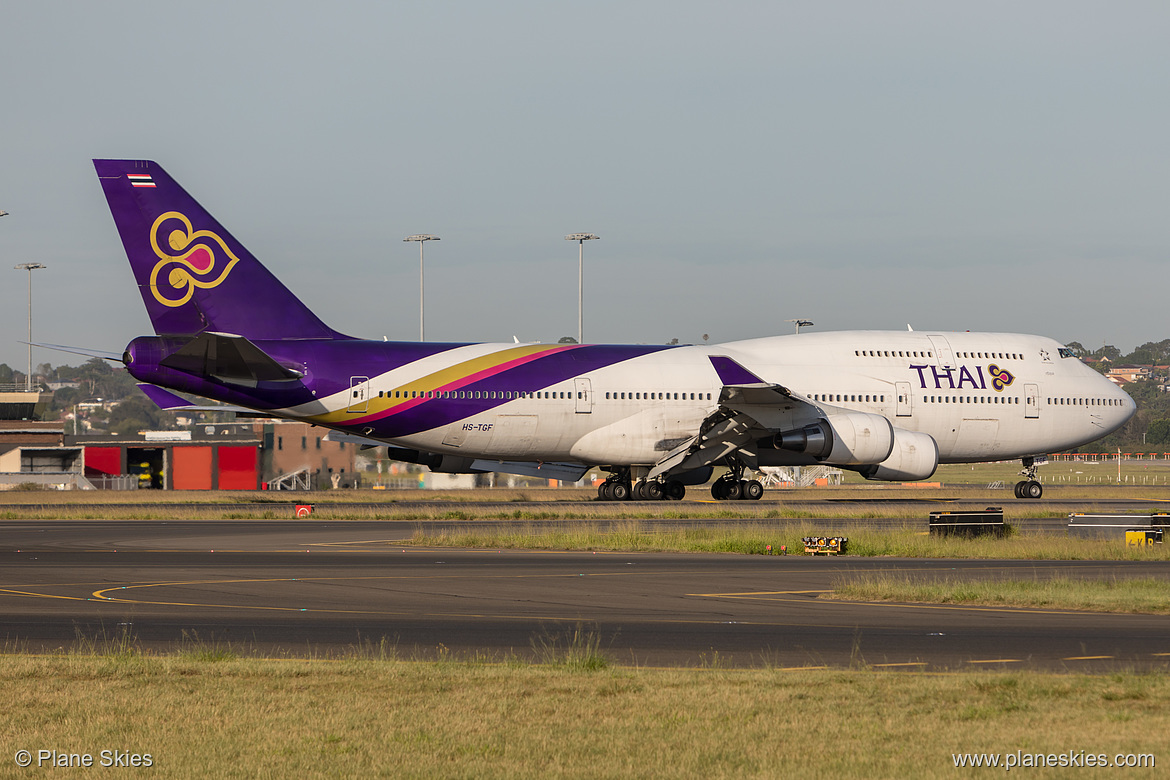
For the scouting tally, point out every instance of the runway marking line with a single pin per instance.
(907, 663)
(41, 595)
(758, 593)
(1087, 658)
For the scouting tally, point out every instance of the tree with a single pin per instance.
(567, 340)
(1158, 432)
(1108, 351)
(134, 415)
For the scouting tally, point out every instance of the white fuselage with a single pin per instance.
(980, 396)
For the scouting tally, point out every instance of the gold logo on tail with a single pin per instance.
(193, 263)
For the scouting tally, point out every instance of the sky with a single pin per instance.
(995, 166)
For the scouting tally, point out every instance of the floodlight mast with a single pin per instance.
(421, 238)
(800, 323)
(30, 267)
(580, 238)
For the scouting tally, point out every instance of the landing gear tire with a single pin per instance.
(638, 491)
(605, 491)
(619, 491)
(734, 490)
(753, 490)
(1029, 488)
(652, 490)
(675, 490)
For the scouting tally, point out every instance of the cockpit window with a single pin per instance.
(1065, 352)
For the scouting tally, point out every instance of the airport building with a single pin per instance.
(252, 455)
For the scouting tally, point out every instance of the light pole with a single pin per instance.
(421, 238)
(580, 238)
(30, 267)
(800, 323)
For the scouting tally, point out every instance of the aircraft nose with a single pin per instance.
(1130, 406)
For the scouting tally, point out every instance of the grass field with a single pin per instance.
(213, 710)
(385, 717)
(1124, 594)
(755, 538)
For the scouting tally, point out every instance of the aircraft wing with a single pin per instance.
(749, 409)
(568, 472)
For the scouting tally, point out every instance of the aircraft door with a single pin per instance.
(359, 394)
(942, 351)
(1031, 400)
(905, 400)
(584, 391)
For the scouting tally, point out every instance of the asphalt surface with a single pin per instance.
(289, 587)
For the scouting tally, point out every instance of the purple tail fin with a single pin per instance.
(193, 275)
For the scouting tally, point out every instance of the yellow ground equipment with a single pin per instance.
(1143, 538)
(824, 545)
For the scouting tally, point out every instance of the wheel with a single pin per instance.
(636, 492)
(1033, 489)
(717, 491)
(675, 490)
(753, 490)
(653, 490)
(733, 490)
(1020, 489)
(619, 491)
(604, 492)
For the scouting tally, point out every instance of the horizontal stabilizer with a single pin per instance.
(173, 402)
(233, 359)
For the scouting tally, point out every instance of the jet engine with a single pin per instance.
(849, 439)
(915, 456)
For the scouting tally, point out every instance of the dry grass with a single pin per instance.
(1146, 595)
(755, 538)
(359, 718)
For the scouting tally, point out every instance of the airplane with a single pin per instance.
(889, 405)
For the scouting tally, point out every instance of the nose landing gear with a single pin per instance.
(1029, 487)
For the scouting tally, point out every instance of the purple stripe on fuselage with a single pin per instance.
(530, 377)
(327, 365)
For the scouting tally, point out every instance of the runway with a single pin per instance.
(287, 587)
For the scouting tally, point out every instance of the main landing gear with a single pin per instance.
(1029, 487)
(733, 487)
(620, 487)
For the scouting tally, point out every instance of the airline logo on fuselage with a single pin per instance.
(957, 379)
(197, 258)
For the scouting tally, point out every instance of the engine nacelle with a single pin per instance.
(849, 439)
(915, 457)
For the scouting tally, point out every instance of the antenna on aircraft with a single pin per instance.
(799, 323)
